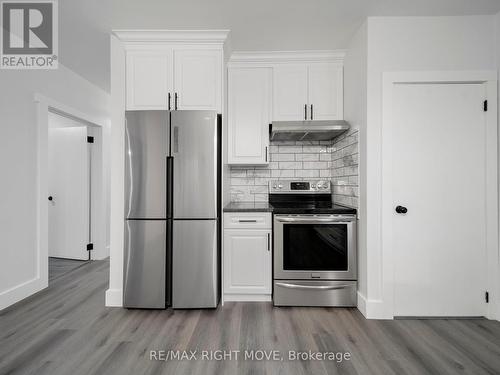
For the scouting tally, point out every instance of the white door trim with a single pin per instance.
(43, 106)
(488, 78)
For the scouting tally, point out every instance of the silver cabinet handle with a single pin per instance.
(305, 111)
(247, 221)
(317, 287)
(269, 242)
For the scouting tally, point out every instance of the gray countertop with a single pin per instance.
(248, 207)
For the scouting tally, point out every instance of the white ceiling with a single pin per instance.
(254, 24)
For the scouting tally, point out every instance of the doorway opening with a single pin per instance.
(73, 172)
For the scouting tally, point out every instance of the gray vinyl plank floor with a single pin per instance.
(66, 329)
(61, 266)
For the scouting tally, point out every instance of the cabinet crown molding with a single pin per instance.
(172, 36)
(277, 57)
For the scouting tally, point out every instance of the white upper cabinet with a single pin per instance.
(308, 92)
(249, 115)
(186, 66)
(289, 92)
(198, 79)
(191, 78)
(326, 92)
(149, 79)
(278, 86)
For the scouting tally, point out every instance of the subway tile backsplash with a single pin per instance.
(344, 163)
(335, 160)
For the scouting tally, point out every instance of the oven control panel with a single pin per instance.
(316, 186)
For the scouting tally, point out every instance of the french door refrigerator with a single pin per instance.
(172, 209)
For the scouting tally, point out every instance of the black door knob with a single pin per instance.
(401, 210)
(50, 198)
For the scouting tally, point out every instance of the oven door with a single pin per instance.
(315, 247)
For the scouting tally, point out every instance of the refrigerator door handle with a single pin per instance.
(170, 186)
(176, 139)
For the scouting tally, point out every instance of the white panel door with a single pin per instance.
(249, 115)
(439, 161)
(69, 189)
(198, 79)
(149, 79)
(247, 261)
(326, 92)
(289, 92)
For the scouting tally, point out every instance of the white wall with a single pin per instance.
(18, 166)
(256, 25)
(355, 105)
(84, 28)
(114, 293)
(410, 44)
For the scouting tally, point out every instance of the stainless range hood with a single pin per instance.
(307, 130)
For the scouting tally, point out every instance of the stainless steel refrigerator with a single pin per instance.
(172, 209)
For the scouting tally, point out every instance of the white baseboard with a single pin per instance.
(21, 291)
(101, 253)
(494, 311)
(372, 309)
(114, 298)
(247, 298)
(106, 252)
(362, 304)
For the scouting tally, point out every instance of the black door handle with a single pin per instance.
(401, 210)
(51, 198)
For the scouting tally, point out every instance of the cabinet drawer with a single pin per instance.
(315, 293)
(247, 220)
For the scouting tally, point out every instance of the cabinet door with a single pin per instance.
(198, 79)
(249, 102)
(289, 92)
(247, 261)
(326, 92)
(149, 79)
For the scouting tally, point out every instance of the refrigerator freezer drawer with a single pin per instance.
(144, 273)
(195, 264)
(314, 293)
(146, 150)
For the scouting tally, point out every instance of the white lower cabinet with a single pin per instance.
(247, 263)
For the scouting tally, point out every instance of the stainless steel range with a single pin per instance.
(314, 246)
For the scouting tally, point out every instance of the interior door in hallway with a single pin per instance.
(439, 176)
(69, 190)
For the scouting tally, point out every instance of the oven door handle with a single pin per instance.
(338, 220)
(317, 287)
